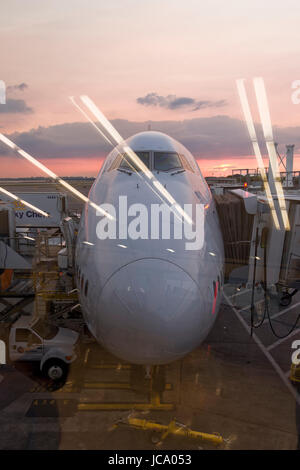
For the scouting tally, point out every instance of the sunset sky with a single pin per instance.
(168, 62)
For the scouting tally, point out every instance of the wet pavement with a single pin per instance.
(229, 386)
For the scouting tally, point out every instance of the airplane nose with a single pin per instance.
(150, 312)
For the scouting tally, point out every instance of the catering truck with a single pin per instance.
(36, 340)
(53, 203)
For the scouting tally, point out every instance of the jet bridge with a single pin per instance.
(251, 227)
(236, 216)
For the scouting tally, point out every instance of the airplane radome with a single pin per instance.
(149, 292)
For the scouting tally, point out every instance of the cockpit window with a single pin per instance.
(162, 161)
(165, 161)
(116, 163)
(128, 164)
(186, 165)
(125, 162)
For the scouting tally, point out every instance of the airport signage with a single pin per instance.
(49, 203)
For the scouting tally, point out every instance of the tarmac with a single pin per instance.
(234, 384)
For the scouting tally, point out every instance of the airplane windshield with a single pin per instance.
(128, 164)
(165, 161)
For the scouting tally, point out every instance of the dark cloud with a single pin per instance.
(15, 106)
(20, 87)
(213, 137)
(174, 102)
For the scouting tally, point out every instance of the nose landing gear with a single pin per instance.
(150, 383)
(150, 379)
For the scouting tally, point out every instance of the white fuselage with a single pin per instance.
(149, 301)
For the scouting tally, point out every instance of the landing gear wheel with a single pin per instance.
(159, 379)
